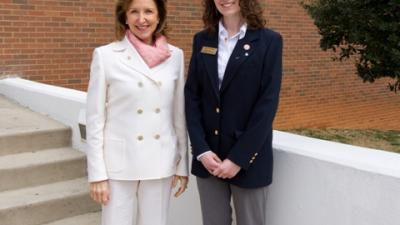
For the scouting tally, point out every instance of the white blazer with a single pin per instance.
(135, 115)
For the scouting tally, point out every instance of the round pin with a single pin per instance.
(246, 54)
(246, 47)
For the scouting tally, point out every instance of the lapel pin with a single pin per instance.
(246, 47)
(246, 54)
(209, 50)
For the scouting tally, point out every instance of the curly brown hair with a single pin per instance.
(251, 11)
(122, 6)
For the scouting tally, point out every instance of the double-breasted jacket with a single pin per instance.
(135, 115)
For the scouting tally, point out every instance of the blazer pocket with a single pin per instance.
(169, 82)
(114, 154)
(172, 76)
(170, 147)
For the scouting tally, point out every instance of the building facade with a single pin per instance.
(51, 41)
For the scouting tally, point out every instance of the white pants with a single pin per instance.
(149, 197)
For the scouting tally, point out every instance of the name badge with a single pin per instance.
(209, 50)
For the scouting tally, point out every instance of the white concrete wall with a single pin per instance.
(315, 182)
(61, 104)
(319, 182)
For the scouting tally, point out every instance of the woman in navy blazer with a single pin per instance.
(231, 97)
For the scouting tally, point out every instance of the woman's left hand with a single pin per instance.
(183, 181)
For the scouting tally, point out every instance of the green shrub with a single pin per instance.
(367, 29)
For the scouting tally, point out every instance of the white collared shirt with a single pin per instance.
(225, 48)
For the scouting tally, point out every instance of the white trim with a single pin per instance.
(361, 158)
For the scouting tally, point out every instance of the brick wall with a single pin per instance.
(51, 41)
(318, 92)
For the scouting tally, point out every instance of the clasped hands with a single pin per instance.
(222, 169)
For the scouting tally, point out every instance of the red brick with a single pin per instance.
(52, 42)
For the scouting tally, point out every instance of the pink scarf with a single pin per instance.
(152, 55)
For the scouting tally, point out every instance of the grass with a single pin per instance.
(388, 140)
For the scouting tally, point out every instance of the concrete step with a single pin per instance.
(34, 141)
(22, 130)
(46, 203)
(84, 219)
(41, 167)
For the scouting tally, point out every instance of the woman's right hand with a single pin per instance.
(100, 191)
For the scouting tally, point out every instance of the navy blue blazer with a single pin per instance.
(235, 121)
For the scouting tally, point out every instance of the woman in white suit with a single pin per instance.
(136, 132)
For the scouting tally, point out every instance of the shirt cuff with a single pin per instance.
(199, 156)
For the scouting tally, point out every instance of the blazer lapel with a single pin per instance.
(211, 61)
(242, 51)
(131, 58)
